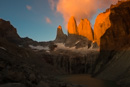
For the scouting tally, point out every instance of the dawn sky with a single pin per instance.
(39, 19)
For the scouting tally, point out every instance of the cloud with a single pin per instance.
(28, 7)
(48, 20)
(80, 8)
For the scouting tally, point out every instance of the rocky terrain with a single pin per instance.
(24, 62)
(20, 66)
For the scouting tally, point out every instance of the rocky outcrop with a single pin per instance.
(113, 62)
(8, 32)
(84, 29)
(72, 26)
(61, 37)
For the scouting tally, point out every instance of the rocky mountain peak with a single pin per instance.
(72, 26)
(61, 37)
(84, 29)
(59, 30)
(8, 32)
(59, 27)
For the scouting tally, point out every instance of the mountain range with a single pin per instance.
(103, 52)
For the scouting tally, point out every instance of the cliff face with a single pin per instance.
(113, 62)
(84, 29)
(107, 20)
(118, 34)
(75, 63)
(61, 37)
(102, 23)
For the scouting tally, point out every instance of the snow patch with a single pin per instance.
(83, 50)
(39, 47)
(77, 42)
(63, 47)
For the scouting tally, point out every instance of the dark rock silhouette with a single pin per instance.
(9, 32)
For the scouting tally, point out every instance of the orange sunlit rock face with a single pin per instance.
(72, 26)
(59, 27)
(84, 29)
(102, 23)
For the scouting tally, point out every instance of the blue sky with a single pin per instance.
(31, 22)
(29, 18)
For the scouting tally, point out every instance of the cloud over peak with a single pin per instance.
(80, 8)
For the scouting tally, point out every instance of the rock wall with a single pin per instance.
(113, 62)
